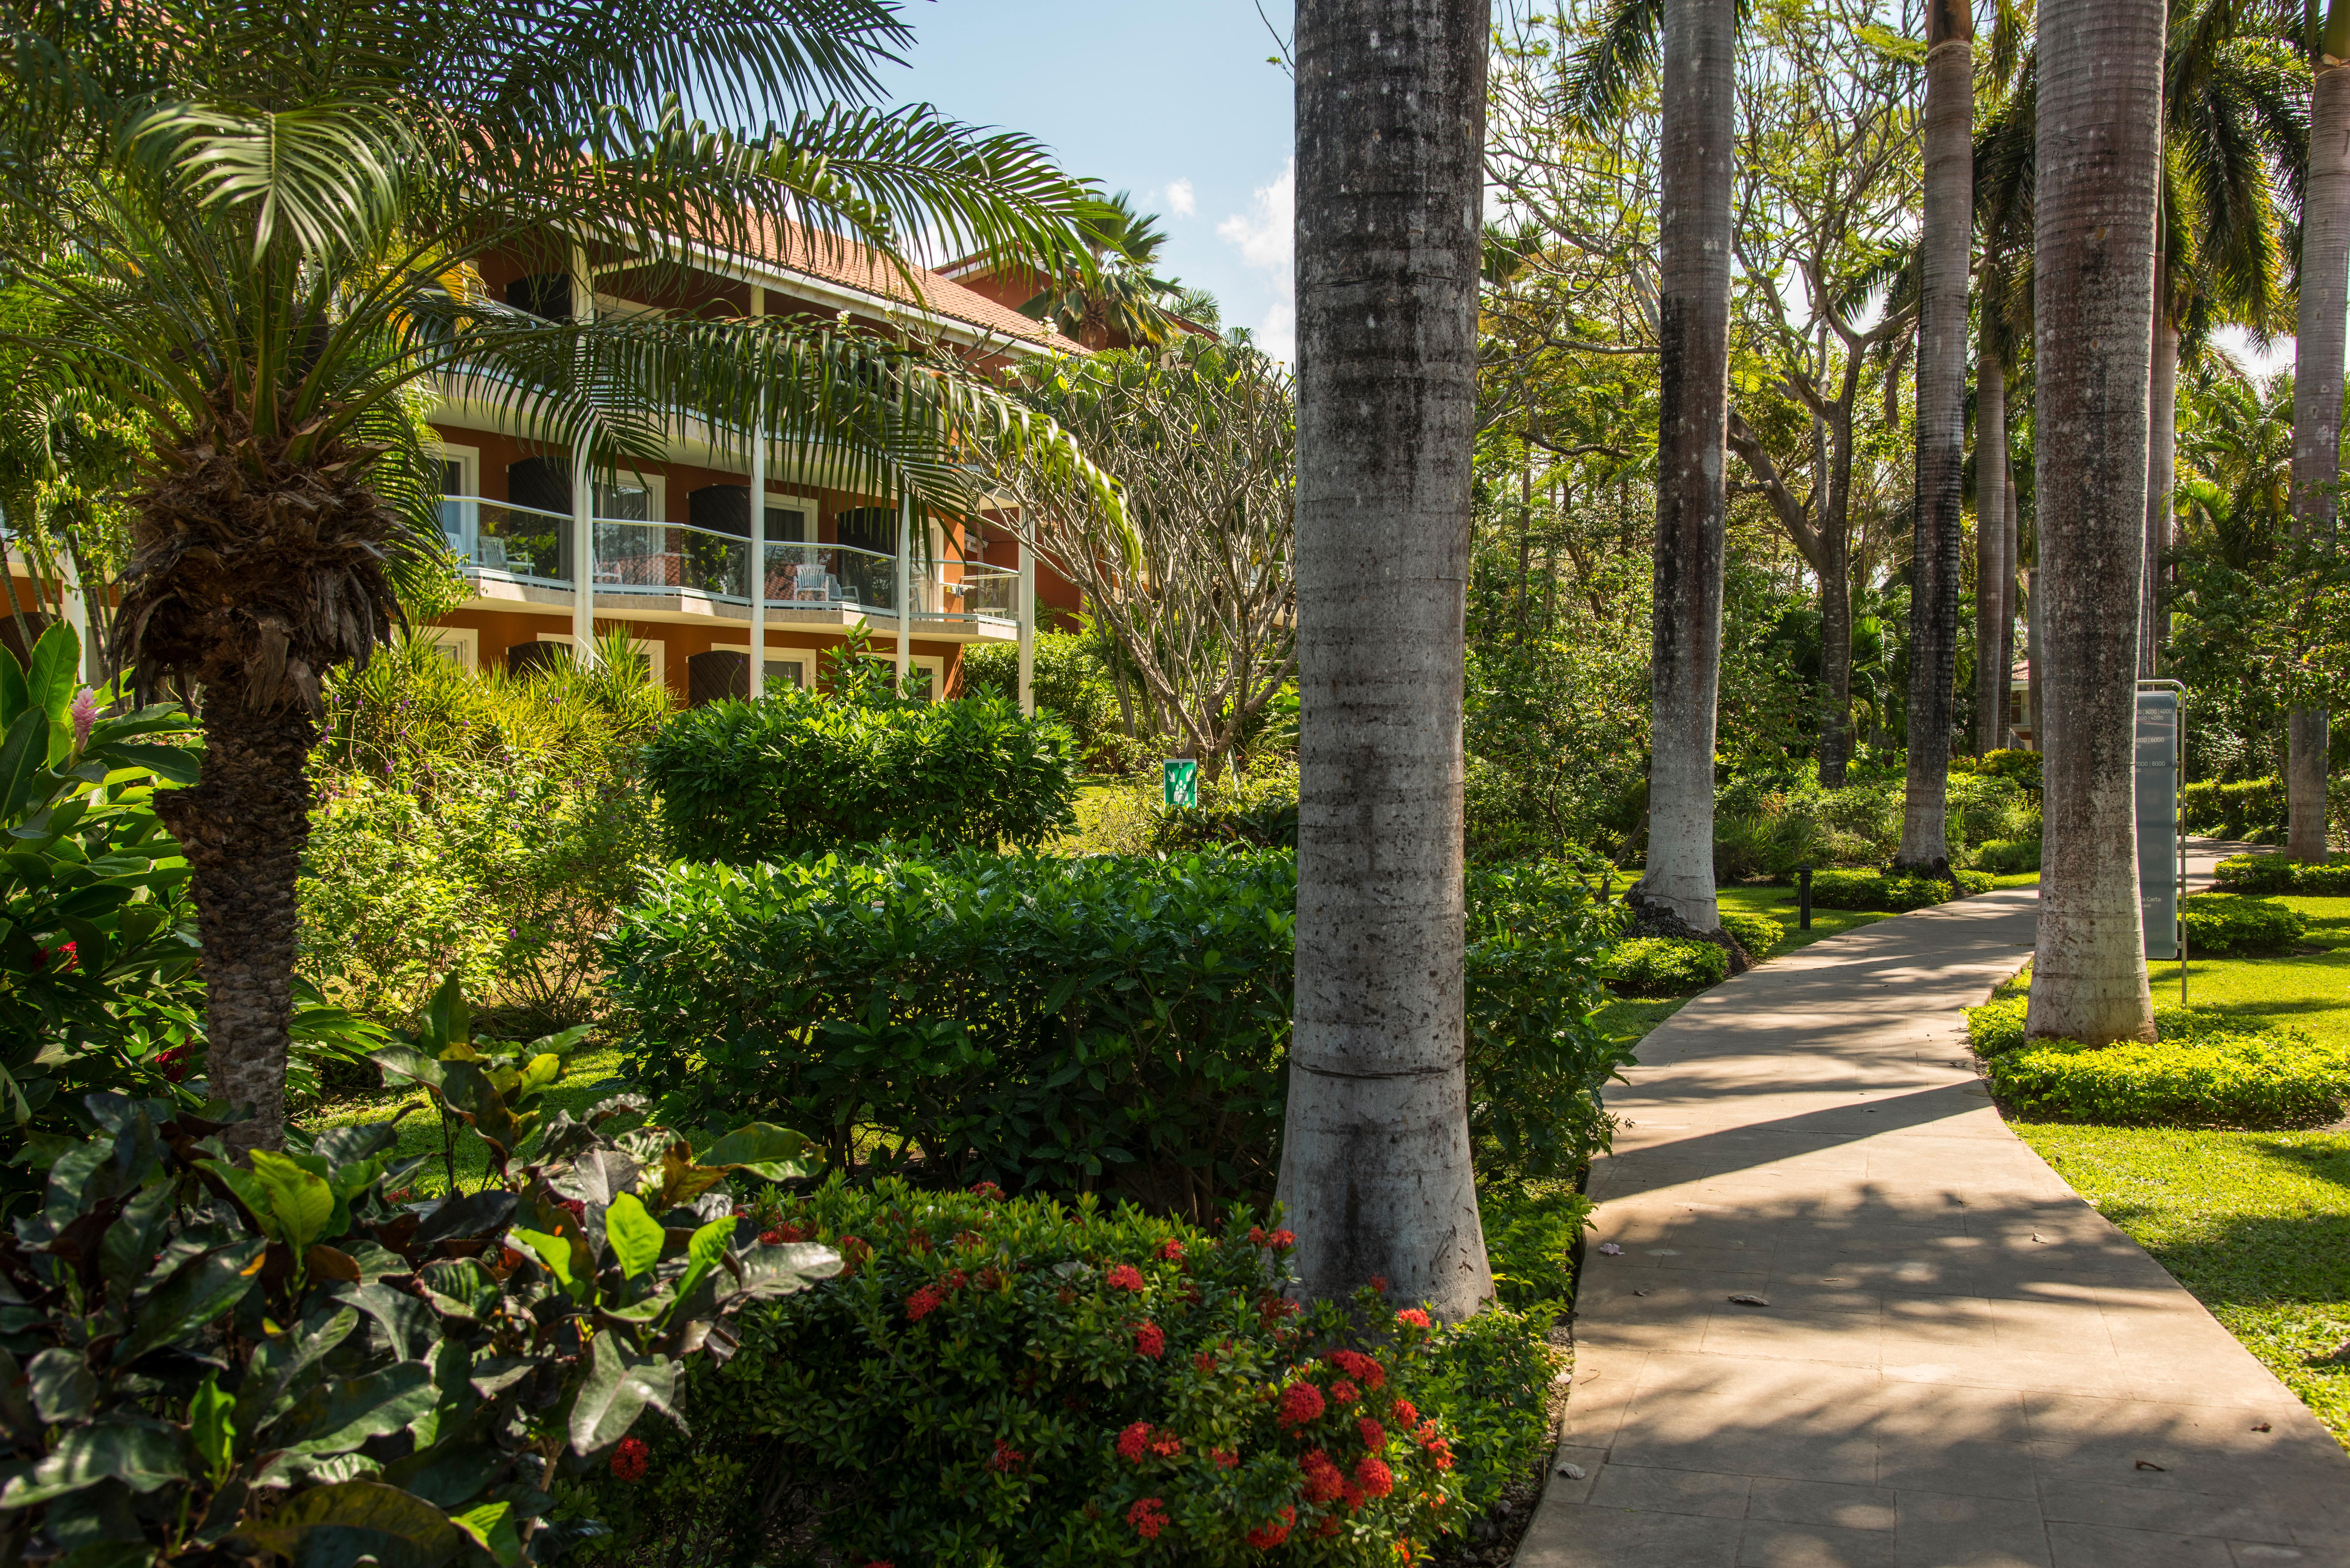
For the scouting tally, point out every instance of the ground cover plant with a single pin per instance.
(2229, 923)
(1838, 888)
(1073, 1384)
(2278, 872)
(1666, 966)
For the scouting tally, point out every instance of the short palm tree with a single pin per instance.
(1113, 291)
(267, 226)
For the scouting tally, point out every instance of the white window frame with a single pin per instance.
(465, 640)
(656, 650)
(468, 461)
(656, 488)
(932, 662)
(808, 511)
(805, 657)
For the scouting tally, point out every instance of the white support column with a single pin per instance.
(583, 492)
(76, 609)
(1027, 615)
(758, 574)
(905, 589)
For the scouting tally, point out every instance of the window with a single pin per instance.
(794, 667)
(460, 645)
(461, 481)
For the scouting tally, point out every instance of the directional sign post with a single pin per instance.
(1182, 783)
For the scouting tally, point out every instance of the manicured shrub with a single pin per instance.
(1997, 1026)
(2275, 1078)
(1667, 966)
(2241, 809)
(2008, 856)
(2019, 767)
(1758, 934)
(1973, 882)
(1838, 888)
(1071, 681)
(796, 774)
(1101, 1021)
(2329, 878)
(2231, 923)
(1018, 1381)
(1531, 1232)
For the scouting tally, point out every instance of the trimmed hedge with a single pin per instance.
(2017, 766)
(1021, 1382)
(2007, 856)
(2230, 923)
(1071, 1024)
(2245, 808)
(1760, 935)
(1667, 966)
(1997, 1027)
(795, 774)
(2327, 878)
(1888, 893)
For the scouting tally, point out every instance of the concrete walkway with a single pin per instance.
(1962, 1363)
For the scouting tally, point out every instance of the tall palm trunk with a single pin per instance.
(1693, 332)
(1948, 223)
(2099, 138)
(2162, 476)
(1374, 1172)
(1992, 565)
(2013, 585)
(2317, 392)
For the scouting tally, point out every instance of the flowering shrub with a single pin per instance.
(1032, 1416)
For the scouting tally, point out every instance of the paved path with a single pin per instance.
(1962, 1365)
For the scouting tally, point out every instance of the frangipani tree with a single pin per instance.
(265, 229)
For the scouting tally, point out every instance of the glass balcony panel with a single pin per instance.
(668, 558)
(492, 539)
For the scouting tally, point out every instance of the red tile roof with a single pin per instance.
(793, 248)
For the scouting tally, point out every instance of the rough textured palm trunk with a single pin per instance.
(1836, 627)
(1375, 1171)
(2161, 472)
(2014, 584)
(242, 828)
(1942, 432)
(1994, 567)
(1693, 331)
(2317, 411)
(2099, 137)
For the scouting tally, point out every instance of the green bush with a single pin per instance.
(276, 1362)
(795, 774)
(2008, 856)
(2328, 878)
(2274, 1078)
(1257, 810)
(1070, 1024)
(1532, 1229)
(2230, 923)
(2021, 768)
(1067, 1387)
(1838, 888)
(1997, 1026)
(1973, 882)
(2250, 809)
(1667, 966)
(1071, 682)
(1758, 934)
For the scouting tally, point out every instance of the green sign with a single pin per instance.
(1182, 782)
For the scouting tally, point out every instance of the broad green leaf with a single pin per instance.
(409, 1063)
(280, 1360)
(447, 1020)
(492, 1526)
(540, 1071)
(56, 670)
(300, 1201)
(62, 1385)
(15, 696)
(338, 1416)
(211, 1429)
(141, 1458)
(636, 1236)
(762, 1149)
(614, 1392)
(704, 1252)
(198, 1292)
(23, 751)
(173, 764)
(555, 1252)
(337, 1526)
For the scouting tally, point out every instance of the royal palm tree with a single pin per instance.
(2318, 337)
(1113, 291)
(1374, 1166)
(1944, 251)
(2099, 164)
(268, 225)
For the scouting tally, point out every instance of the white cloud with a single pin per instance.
(1265, 238)
(1277, 335)
(1180, 199)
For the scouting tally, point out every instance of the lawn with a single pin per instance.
(2256, 1224)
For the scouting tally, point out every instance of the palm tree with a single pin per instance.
(1943, 253)
(1374, 1166)
(267, 226)
(1111, 293)
(2318, 378)
(1996, 563)
(2098, 161)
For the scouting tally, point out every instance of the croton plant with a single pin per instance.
(202, 1363)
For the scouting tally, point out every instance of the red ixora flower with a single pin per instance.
(1282, 1240)
(1205, 1361)
(1376, 1478)
(1358, 1366)
(1150, 1340)
(1257, 1235)
(1323, 1482)
(782, 1233)
(1149, 1517)
(1225, 1459)
(923, 1302)
(1438, 1448)
(1274, 1531)
(1375, 1437)
(1170, 1249)
(1345, 1392)
(1402, 1414)
(1300, 1403)
(630, 1459)
(1006, 1457)
(1126, 1277)
(1327, 1527)
(1380, 1283)
(1134, 1442)
(1413, 1316)
(989, 1190)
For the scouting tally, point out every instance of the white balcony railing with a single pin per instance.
(496, 542)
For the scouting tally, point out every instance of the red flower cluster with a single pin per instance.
(1374, 1475)
(1272, 1532)
(1359, 1367)
(1300, 1403)
(1345, 1392)
(1323, 1482)
(1380, 1283)
(1375, 1437)
(1149, 1517)
(1225, 1459)
(1279, 1241)
(174, 1062)
(989, 1190)
(853, 1252)
(1126, 1277)
(1170, 1249)
(1006, 1457)
(1134, 1442)
(787, 1231)
(923, 1302)
(1150, 1340)
(1413, 1316)
(630, 1459)
(1402, 1414)
(1205, 1361)
(1438, 1448)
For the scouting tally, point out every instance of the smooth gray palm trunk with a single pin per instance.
(1375, 1171)
(2162, 476)
(1992, 565)
(1693, 332)
(2013, 585)
(2317, 412)
(2099, 139)
(1941, 433)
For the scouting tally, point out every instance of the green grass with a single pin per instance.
(2256, 1224)
(584, 1083)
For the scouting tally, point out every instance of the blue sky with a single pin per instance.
(1171, 101)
